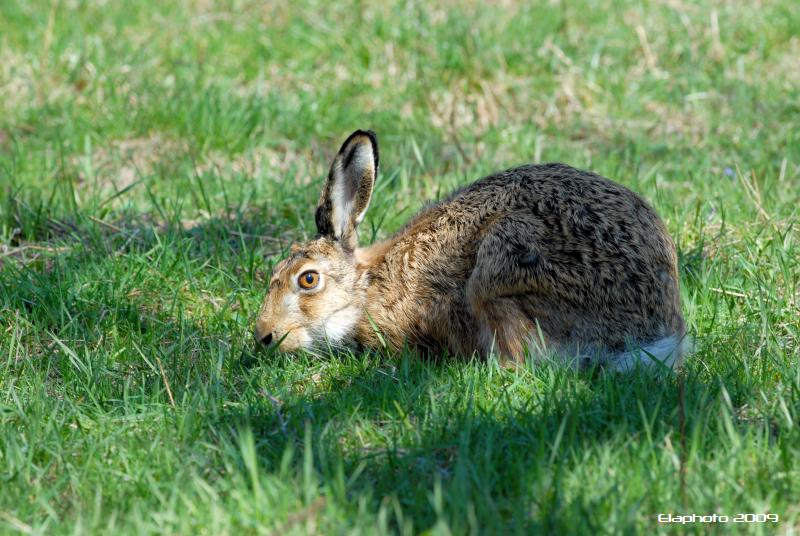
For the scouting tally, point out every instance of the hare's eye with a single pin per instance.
(308, 280)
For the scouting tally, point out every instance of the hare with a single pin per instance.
(544, 259)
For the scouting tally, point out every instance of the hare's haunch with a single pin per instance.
(544, 259)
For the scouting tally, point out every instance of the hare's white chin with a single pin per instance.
(340, 326)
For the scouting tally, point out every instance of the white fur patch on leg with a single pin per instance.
(668, 351)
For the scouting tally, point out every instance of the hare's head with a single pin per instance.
(316, 294)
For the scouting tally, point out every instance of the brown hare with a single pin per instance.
(544, 259)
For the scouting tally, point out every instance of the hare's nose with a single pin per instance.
(263, 332)
(267, 339)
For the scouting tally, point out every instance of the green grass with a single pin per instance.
(157, 158)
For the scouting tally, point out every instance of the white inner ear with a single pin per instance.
(342, 205)
(364, 163)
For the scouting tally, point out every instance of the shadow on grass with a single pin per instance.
(432, 441)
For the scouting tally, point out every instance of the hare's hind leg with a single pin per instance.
(505, 271)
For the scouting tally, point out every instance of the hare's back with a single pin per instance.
(571, 210)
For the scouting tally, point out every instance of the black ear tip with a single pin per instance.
(362, 132)
(373, 139)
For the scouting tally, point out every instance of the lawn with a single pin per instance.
(158, 158)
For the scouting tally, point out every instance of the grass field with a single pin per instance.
(157, 158)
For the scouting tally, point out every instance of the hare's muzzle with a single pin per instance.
(263, 334)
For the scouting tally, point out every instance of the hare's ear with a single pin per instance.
(347, 192)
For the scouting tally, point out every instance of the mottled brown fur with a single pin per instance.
(543, 255)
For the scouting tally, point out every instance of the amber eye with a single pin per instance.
(308, 280)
